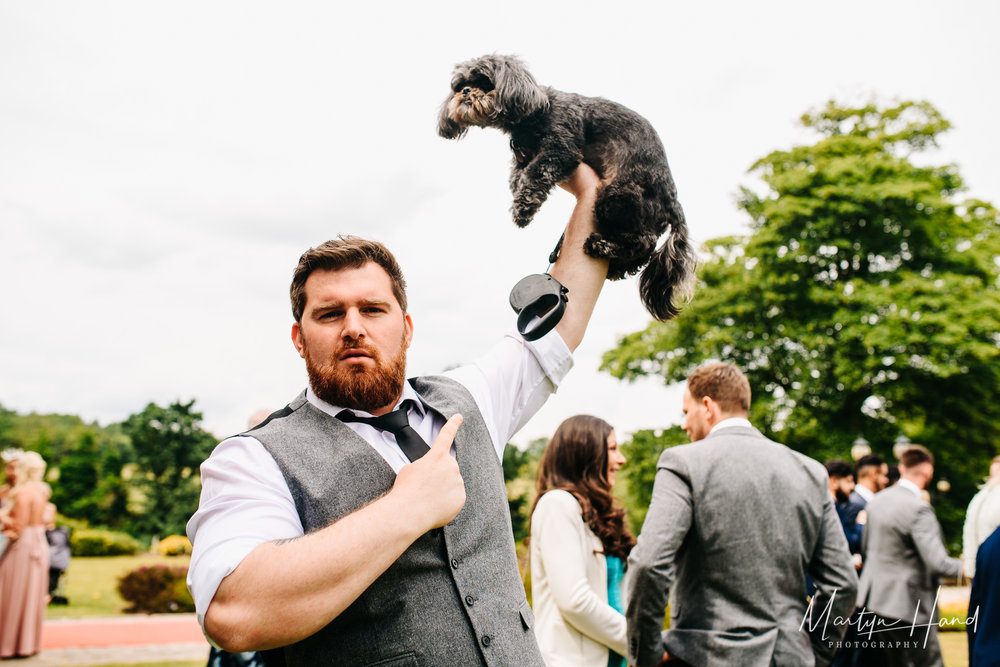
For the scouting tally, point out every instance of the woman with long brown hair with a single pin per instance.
(579, 544)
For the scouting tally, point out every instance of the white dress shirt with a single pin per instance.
(730, 423)
(864, 492)
(245, 501)
(913, 488)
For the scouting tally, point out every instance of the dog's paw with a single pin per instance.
(524, 210)
(598, 246)
(522, 219)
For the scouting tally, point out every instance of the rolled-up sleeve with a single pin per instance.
(244, 503)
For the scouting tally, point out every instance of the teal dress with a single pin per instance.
(616, 571)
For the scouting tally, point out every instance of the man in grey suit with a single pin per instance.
(738, 521)
(904, 556)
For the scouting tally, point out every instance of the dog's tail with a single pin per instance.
(668, 279)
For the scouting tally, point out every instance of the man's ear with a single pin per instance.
(408, 323)
(297, 340)
(712, 414)
(708, 404)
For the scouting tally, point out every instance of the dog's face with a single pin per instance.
(490, 91)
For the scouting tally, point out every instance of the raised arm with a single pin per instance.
(581, 273)
(287, 590)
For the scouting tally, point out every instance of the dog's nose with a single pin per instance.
(466, 90)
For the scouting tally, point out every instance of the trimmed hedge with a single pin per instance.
(97, 542)
(156, 589)
(174, 545)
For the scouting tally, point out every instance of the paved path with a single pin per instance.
(126, 640)
(133, 640)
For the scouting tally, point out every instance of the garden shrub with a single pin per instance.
(156, 589)
(174, 545)
(97, 542)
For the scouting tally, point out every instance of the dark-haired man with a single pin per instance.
(738, 522)
(359, 525)
(841, 487)
(871, 476)
(904, 557)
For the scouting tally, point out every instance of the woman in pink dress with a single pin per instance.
(24, 569)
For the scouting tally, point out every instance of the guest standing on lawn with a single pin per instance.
(24, 569)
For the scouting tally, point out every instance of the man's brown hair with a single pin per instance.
(723, 383)
(344, 252)
(915, 455)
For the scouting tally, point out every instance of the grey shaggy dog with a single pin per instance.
(551, 132)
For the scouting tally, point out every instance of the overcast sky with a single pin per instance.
(163, 165)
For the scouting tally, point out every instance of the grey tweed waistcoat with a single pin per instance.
(455, 596)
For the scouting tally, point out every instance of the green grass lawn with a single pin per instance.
(954, 649)
(91, 584)
(182, 663)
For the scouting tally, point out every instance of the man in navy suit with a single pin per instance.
(984, 605)
(841, 487)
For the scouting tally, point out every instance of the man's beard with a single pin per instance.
(841, 496)
(356, 386)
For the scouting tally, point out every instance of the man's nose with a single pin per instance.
(353, 324)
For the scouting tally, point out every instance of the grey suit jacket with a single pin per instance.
(738, 521)
(904, 556)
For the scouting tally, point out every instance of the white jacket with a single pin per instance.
(981, 519)
(574, 625)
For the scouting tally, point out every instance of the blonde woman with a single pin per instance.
(24, 569)
(579, 545)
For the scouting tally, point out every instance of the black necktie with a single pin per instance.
(398, 424)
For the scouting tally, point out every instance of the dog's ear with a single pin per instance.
(447, 127)
(518, 96)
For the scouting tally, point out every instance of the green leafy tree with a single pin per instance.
(864, 301)
(84, 463)
(642, 452)
(519, 466)
(168, 445)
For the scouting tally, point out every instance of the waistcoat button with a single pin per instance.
(454, 563)
(469, 600)
(486, 640)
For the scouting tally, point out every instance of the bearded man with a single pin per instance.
(332, 530)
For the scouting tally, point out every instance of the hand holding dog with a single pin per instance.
(551, 132)
(582, 183)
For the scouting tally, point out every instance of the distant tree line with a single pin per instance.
(139, 476)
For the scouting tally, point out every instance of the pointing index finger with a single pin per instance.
(447, 435)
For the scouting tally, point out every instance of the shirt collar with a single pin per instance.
(731, 422)
(907, 484)
(864, 492)
(409, 393)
